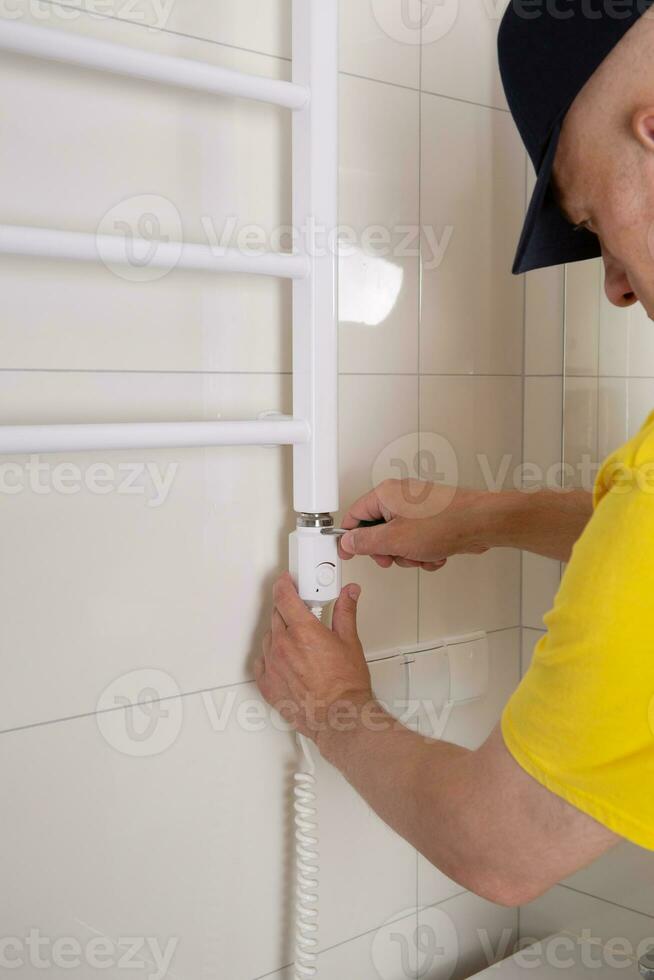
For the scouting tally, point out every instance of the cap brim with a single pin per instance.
(547, 237)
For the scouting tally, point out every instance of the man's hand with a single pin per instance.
(426, 524)
(309, 672)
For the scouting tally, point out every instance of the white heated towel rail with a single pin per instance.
(312, 97)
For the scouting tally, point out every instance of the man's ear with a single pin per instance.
(642, 125)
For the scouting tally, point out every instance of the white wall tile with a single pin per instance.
(368, 872)
(471, 592)
(583, 293)
(251, 24)
(543, 423)
(66, 316)
(481, 417)
(546, 958)
(472, 205)
(623, 876)
(379, 201)
(543, 450)
(120, 584)
(624, 405)
(541, 578)
(530, 638)
(374, 955)
(545, 309)
(615, 333)
(640, 403)
(626, 345)
(543, 432)
(471, 27)
(612, 414)
(468, 725)
(468, 934)
(193, 166)
(376, 43)
(580, 431)
(264, 27)
(573, 911)
(192, 838)
(169, 845)
(544, 317)
(375, 412)
(388, 952)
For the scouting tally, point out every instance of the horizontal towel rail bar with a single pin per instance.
(85, 52)
(83, 437)
(75, 246)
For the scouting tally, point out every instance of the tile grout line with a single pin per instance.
(521, 588)
(190, 694)
(368, 932)
(607, 901)
(272, 374)
(419, 574)
(153, 29)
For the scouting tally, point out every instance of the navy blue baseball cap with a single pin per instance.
(548, 49)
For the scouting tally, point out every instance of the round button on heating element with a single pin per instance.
(325, 574)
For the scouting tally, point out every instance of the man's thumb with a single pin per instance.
(344, 617)
(367, 541)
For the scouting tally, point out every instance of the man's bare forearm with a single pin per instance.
(546, 523)
(475, 815)
(413, 784)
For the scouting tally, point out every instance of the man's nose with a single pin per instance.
(616, 284)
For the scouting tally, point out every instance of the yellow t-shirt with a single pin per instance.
(582, 720)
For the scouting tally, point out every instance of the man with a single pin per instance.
(570, 770)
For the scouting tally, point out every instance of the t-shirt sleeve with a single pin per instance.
(582, 720)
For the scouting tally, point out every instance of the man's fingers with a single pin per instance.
(433, 566)
(288, 603)
(380, 540)
(366, 508)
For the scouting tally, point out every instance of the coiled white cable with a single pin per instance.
(306, 860)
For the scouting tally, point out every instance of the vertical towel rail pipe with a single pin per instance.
(315, 217)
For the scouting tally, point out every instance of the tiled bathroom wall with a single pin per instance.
(608, 391)
(145, 794)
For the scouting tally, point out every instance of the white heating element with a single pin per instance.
(312, 97)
